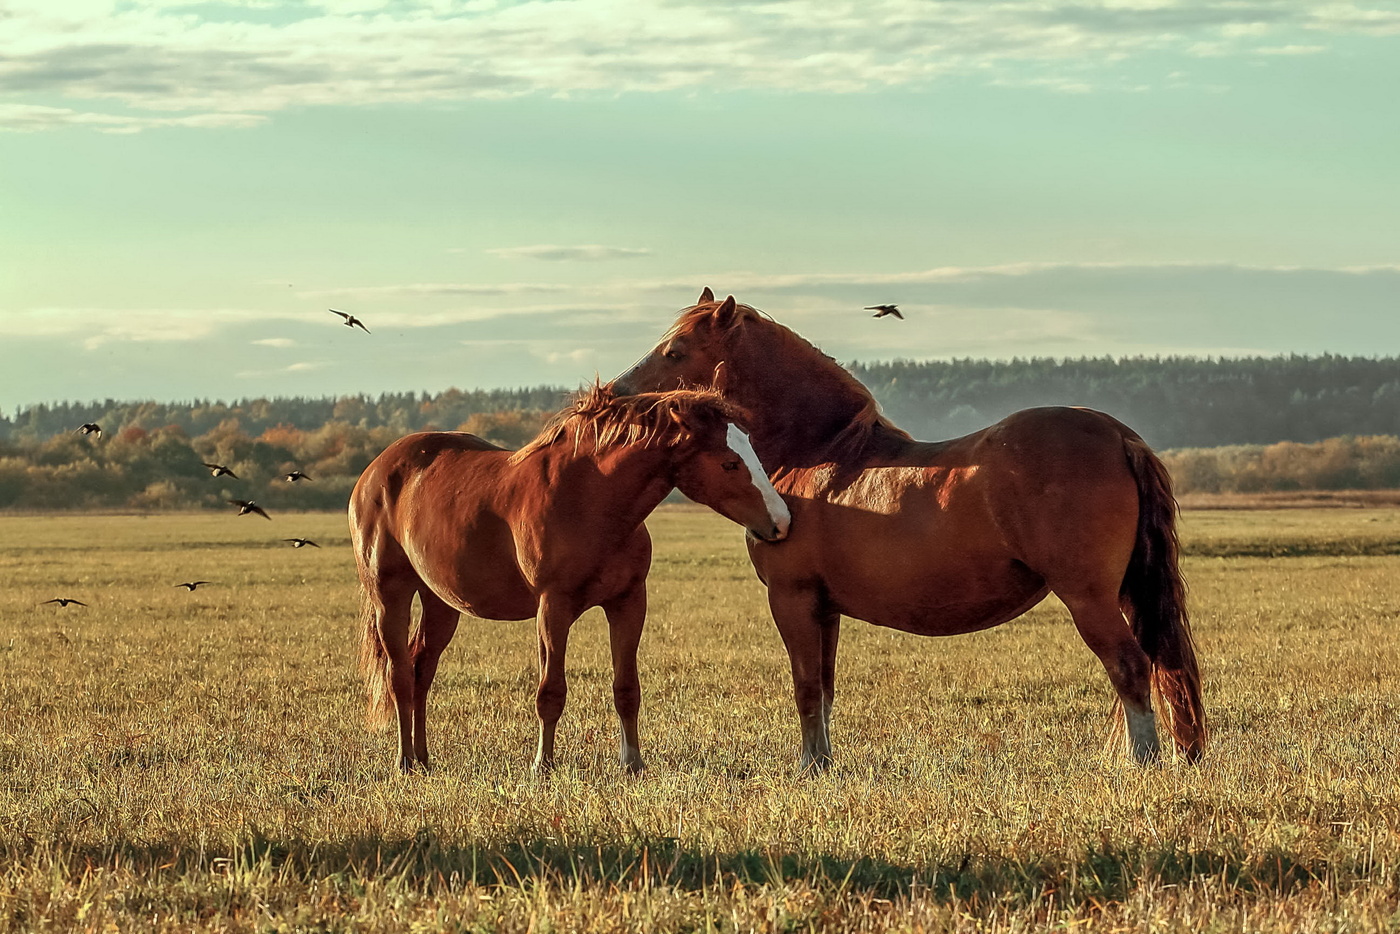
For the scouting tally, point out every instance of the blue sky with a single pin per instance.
(523, 193)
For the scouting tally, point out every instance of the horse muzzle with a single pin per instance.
(773, 532)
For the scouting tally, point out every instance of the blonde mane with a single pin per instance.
(599, 419)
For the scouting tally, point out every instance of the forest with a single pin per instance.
(1223, 425)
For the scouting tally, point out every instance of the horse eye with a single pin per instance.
(673, 355)
(731, 465)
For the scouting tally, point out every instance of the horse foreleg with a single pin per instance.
(555, 618)
(626, 616)
(1104, 629)
(801, 619)
(434, 633)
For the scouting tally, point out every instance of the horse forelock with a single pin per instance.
(598, 420)
(821, 383)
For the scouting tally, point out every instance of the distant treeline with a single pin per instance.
(1174, 402)
(164, 468)
(1253, 417)
(400, 412)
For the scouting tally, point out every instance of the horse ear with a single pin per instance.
(725, 314)
(682, 418)
(705, 297)
(721, 379)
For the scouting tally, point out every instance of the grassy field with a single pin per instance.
(198, 761)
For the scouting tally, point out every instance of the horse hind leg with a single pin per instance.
(1101, 624)
(435, 630)
(390, 602)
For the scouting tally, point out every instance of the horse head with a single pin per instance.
(693, 353)
(716, 466)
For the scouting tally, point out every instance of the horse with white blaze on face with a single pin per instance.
(939, 538)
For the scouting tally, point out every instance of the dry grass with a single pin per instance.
(176, 761)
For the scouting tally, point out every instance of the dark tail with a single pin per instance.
(1154, 599)
(374, 665)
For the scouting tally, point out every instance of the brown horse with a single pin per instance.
(946, 537)
(547, 531)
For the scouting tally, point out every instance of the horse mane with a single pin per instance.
(651, 419)
(825, 382)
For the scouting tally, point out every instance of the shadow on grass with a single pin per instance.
(427, 864)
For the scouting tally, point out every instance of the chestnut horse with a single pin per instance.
(547, 531)
(945, 537)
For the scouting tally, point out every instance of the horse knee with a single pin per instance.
(811, 698)
(549, 701)
(627, 698)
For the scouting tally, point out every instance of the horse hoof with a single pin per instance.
(543, 768)
(634, 767)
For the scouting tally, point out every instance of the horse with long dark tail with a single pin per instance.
(940, 538)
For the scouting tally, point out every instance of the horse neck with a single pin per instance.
(627, 484)
(797, 407)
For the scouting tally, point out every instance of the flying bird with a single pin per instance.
(350, 320)
(219, 470)
(191, 585)
(63, 601)
(882, 310)
(91, 428)
(296, 475)
(246, 506)
(301, 542)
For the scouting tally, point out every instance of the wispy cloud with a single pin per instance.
(424, 306)
(176, 64)
(432, 289)
(30, 118)
(589, 253)
(307, 366)
(100, 326)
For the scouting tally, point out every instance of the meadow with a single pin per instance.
(174, 761)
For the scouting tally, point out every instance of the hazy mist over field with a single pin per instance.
(521, 193)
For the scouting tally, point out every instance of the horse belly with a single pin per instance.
(934, 616)
(481, 577)
(916, 565)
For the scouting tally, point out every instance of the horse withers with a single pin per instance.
(945, 537)
(547, 531)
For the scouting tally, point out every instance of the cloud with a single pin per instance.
(578, 355)
(1290, 49)
(28, 118)
(178, 64)
(588, 253)
(432, 288)
(99, 326)
(306, 366)
(276, 342)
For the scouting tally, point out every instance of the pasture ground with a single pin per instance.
(175, 761)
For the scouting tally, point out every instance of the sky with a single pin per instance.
(525, 193)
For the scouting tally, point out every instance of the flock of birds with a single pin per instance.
(245, 506)
(250, 507)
